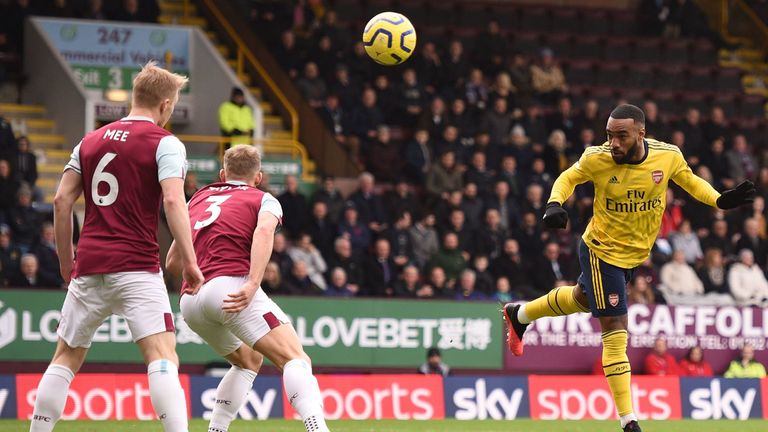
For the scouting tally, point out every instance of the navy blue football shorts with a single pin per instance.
(605, 284)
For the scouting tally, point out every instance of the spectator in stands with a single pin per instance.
(9, 188)
(548, 79)
(325, 56)
(30, 275)
(306, 252)
(503, 89)
(408, 285)
(497, 123)
(338, 286)
(435, 118)
(288, 54)
(427, 65)
(692, 129)
(434, 364)
(383, 157)
(445, 176)
(15, 19)
(48, 259)
(369, 204)
(718, 163)
(639, 292)
(673, 215)
(336, 120)
(412, 96)
(457, 225)
(236, 118)
(718, 239)
(589, 118)
(271, 283)
(295, 207)
(714, 278)
(418, 157)
(464, 122)
(352, 229)
(654, 126)
(380, 271)
(299, 282)
(442, 287)
(344, 87)
(685, 240)
(449, 258)
(424, 239)
(522, 80)
(137, 11)
(512, 265)
(659, 361)
(400, 240)
(312, 86)
(503, 292)
(509, 211)
(550, 269)
(564, 120)
(8, 145)
(9, 256)
(484, 282)
(746, 366)
(95, 10)
(679, 282)
(454, 68)
(694, 365)
(750, 238)
(741, 162)
(490, 237)
(190, 185)
(466, 289)
(344, 259)
(476, 90)
(400, 199)
(387, 97)
(747, 281)
(280, 254)
(479, 173)
(717, 126)
(652, 17)
(495, 48)
(321, 229)
(25, 220)
(330, 195)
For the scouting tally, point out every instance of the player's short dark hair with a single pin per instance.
(628, 111)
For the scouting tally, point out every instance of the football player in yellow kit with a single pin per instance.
(630, 174)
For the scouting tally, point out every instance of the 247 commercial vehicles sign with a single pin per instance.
(106, 55)
(335, 332)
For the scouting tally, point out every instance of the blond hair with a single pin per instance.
(242, 161)
(154, 84)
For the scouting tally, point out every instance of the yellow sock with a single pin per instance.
(559, 301)
(617, 370)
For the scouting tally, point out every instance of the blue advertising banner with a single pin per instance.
(480, 398)
(106, 55)
(721, 398)
(264, 401)
(8, 396)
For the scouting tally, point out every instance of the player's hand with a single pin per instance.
(241, 299)
(193, 277)
(744, 193)
(555, 216)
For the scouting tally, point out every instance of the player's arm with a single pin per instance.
(173, 260)
(171, 160)
(69, 190)
(554, 215)
(698, 188)
(261, 251)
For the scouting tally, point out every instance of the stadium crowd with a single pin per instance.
(461, 150)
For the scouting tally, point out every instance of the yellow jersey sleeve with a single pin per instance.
(696, 186)
(575, 175)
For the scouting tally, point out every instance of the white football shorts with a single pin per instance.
(139, 297)
(225, 331)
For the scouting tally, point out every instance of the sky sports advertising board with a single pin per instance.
(413, 397)
(107, 55)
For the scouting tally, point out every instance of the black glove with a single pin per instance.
(732, 198)
(555, 216)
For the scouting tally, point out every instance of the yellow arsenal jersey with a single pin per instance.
(629, 198)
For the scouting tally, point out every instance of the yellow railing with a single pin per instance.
(727, 8)
(243, 54)
(271, 146)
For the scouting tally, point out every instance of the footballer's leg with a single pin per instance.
(233, 388)
(282, 347)
(82, 313)
(142, 298)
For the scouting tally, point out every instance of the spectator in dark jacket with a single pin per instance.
(9, 188)
(330, 195)
(344, 259)
(30, 275)
(380, 271)
(321, 229)
(295, 207)
(354, 230)
(383, 157)
(418, 157)
(9, 256)
(47, 256)
(369, 203)
(280, 254)
(25, 221)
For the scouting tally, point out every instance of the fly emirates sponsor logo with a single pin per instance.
(580, 397)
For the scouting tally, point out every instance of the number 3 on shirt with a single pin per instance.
(214, 209)
(101, 176)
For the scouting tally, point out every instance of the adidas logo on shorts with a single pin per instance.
(613, 180)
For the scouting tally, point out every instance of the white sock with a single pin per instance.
(167, 395)
(627, 418)
(230, 396)
(521, 316)
(304, 394)
(51, 397)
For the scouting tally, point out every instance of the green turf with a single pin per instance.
(420, 426)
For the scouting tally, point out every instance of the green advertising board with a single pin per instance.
(206, 167)
(334, 332)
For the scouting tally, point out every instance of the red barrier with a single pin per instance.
(97, 397)
(400, 397)
(588, 397)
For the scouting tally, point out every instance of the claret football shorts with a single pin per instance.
(139, 297)
(605, 284)
(225, 331)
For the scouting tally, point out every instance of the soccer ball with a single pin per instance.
(389, 38)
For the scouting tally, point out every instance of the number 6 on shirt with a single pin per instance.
(99, 176)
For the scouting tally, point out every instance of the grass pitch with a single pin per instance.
(198, 425)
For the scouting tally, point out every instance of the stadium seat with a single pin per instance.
(640, 75)
(612, 74)
(700, 78)
(667, 101)
(476, 16)
(633, 96)
(444, 14)
(527, 42)
(414, 10)
(622, 24)
(698, 100)
(703, 52)
(580, 72)
(726, 101)
(670, 76)
(618, 49)
(751, 106)
(560, 43)
(349, 10)
(728, 79)
(587, 46)
(566, 20)
(675, 51)
(535, 19)
(595, 21)
(648, 50)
